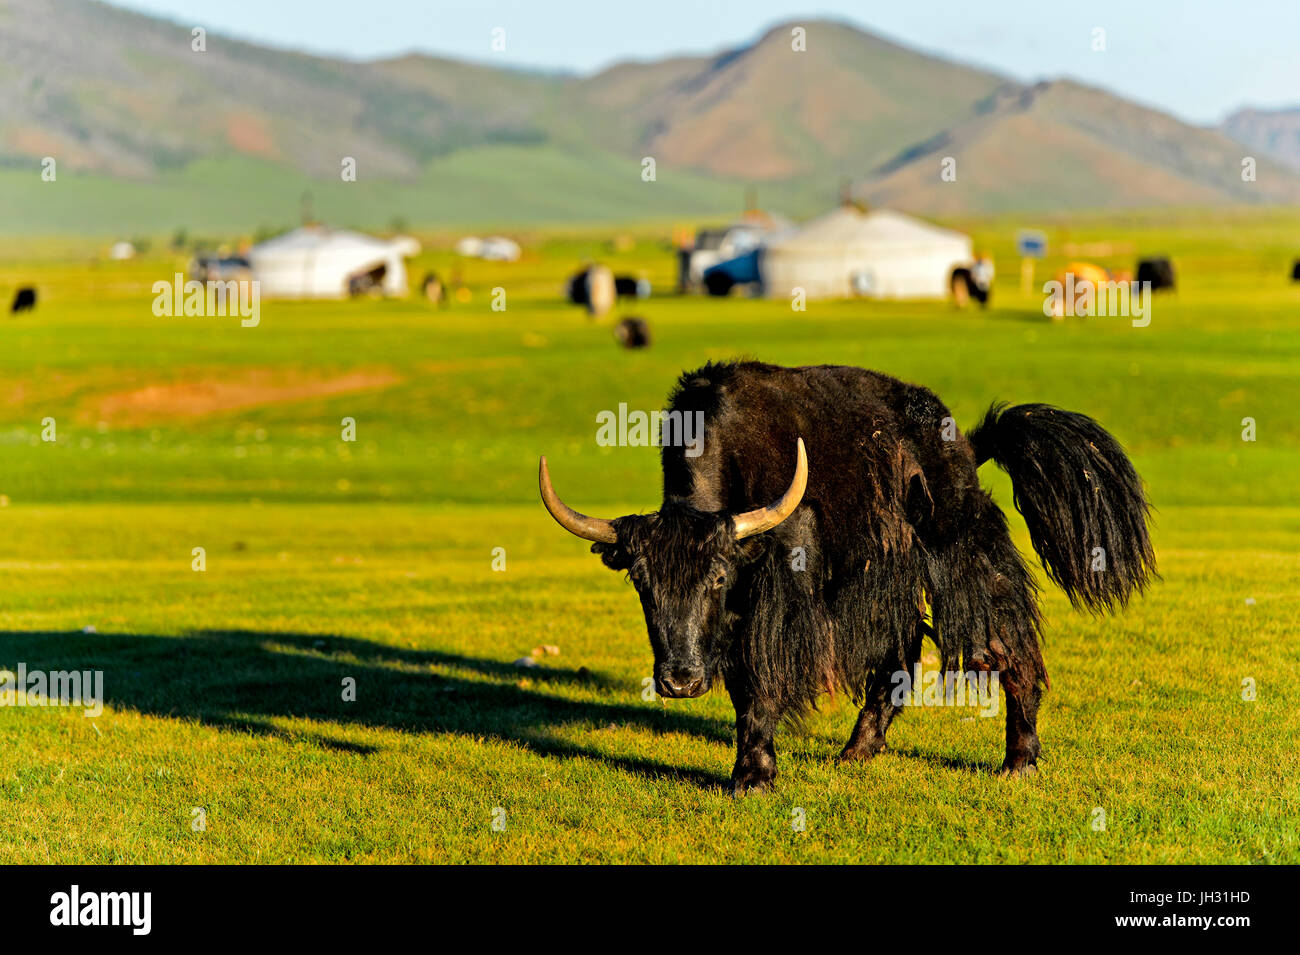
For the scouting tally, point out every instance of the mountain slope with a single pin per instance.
(116, 92)
(1063, 145)
(116, 96)
(1274, 133)
(767, 111)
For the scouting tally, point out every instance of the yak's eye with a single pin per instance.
(719, 578)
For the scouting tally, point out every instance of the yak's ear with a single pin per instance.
(614, 556)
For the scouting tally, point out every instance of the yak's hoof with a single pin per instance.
(859, 752)
(1022, 767)
(751, 782)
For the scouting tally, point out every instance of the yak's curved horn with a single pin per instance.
(580, 525)
(765, 518)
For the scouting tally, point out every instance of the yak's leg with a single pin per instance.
(755, 749)
(1013, 648)
(987, 615)
(868, 737)
(1022, 728)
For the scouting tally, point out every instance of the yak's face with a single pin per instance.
(682, 564)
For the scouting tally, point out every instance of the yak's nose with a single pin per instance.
(682, 682)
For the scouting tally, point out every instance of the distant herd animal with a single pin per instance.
(24, 300)
(633, 333)
(433, 289)
(594, 289)
(833, 517)
(629, 286)
(598, 290)
(1159, 272)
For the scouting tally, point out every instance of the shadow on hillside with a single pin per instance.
(241, 680)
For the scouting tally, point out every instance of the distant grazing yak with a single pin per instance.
(593, 288)
(633, 333)
(1159, 272)
(629, 286)
(433, 288)
(24, 301)
(784, 588)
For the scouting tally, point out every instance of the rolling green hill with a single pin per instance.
(489, 185)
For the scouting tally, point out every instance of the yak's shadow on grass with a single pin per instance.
(240, 680)
(973, 767)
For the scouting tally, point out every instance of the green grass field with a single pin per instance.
(373, 560)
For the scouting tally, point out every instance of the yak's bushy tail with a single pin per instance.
(1078, 492)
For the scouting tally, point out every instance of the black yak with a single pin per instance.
(633, 333)
(784, 587)
(1159, 272)
(24, 300)
(629, 286)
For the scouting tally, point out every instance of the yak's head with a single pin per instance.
(682, 562)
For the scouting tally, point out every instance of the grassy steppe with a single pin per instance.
(373, 560)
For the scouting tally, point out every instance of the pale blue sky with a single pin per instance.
(1198, 59)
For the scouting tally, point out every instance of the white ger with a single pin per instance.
(315, 261)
